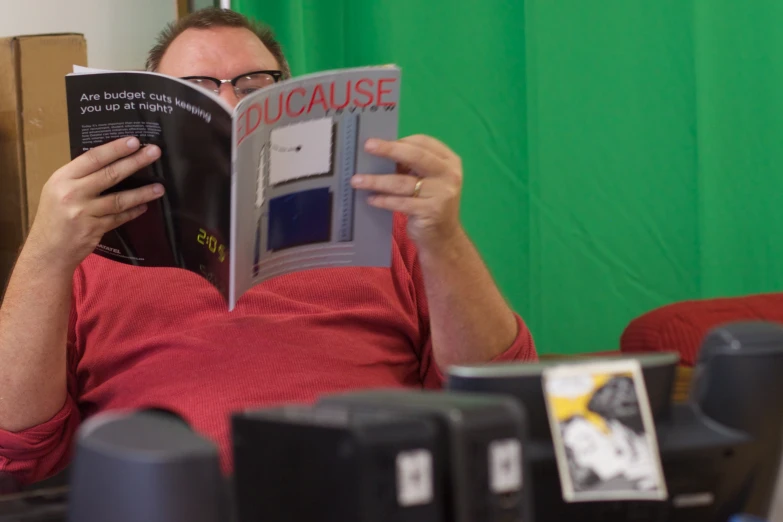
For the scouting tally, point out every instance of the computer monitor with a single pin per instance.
(720, 450)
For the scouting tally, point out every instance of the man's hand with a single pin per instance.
(426, 188)
(469, 319)
(73, 215)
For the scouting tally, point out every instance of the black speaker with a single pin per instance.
(145, 467)
(738, 382)
(482, 437)
(720, 451)
(296, 463)
(8, 484)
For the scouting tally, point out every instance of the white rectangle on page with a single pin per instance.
(300, 150)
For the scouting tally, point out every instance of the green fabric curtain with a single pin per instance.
(619, 155)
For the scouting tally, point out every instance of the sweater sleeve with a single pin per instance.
(41, 451)
(521, 349)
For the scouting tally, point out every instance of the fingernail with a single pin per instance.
(143, 208)
(132, 143)
(357, 180)
(153, 151)
(157, 189)
(371, 145)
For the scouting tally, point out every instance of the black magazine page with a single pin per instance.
(189, 227)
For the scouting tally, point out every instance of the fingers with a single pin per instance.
(111, 174)
(120, 202)
(112, 221)
(391, 184)
(99, 157)
(405, 205)
(417, 159)
(436, 146)
(396, 192)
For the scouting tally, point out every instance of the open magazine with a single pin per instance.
(251, 193)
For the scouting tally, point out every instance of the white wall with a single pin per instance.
(119, 32)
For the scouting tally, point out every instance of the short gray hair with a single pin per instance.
(216, 17)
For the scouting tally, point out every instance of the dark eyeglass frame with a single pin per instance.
(277, 75)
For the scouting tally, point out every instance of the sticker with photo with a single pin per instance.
(603, 432)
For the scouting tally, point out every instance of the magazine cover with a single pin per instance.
(250, 193)
(303, 141)
(603, 432)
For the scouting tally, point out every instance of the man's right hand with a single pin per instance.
(72, 214)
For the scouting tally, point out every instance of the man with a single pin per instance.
(81, 334)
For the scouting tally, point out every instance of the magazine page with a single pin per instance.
(189, 227)
(297, 145)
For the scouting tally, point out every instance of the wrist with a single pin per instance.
(449, 247)
(47, 258)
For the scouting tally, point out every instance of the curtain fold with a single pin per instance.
(739, 85)
(619, 155)
(612, 121)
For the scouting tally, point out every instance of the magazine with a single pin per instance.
(253, 192)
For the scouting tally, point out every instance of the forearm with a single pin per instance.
(33, 334)
(74, 213)
(470, 321)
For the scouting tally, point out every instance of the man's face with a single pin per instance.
(222, 52)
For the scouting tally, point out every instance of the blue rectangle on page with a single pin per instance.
(301, 218)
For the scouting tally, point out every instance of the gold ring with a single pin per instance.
(417, 188)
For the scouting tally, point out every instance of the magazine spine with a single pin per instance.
(232, 267)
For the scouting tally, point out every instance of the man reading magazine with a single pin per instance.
(80, 334)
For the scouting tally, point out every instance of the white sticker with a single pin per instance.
(414, 478)
(300, 150)
(505, 466)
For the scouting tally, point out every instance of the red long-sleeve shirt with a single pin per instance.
(159, 337)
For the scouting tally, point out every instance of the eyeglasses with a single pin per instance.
(243, 84)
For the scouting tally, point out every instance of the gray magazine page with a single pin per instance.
(296, 146)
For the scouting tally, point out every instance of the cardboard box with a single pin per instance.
(33, 128)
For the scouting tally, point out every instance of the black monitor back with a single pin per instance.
(720, 451)
(523, 381)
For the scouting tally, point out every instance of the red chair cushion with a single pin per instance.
(681, 326)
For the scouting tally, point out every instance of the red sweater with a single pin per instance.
(159, 337)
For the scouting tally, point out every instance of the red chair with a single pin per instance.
(681, 326)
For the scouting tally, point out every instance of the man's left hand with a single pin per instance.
(426, 187)
(470, 320)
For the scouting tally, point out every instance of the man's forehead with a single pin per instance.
(223, 52)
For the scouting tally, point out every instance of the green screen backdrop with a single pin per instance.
(619, 155)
